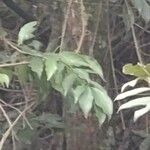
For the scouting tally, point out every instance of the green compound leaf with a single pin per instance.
(132, 93)
(82, 74)
(100, 115)
(58, 78)
(4, 80)
(86, 101)
(78, 60)
(72, 59)
(137, 70)
(51, 65)
(94, 65)
(77, 92)
(26, 32)
(130, 84)
(143, 101)
(37, 65)
(68, 83)
(103, 101)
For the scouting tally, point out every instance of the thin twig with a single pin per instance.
(144, 45)
(26, 99)
(14, 64)
(5, 115)
(23, 52)
(9, 122)
(8, 105)
(10, 90)
(21, 103)
(6, 134)
(147, 31)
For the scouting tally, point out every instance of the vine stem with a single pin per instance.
(112, 64)
(136, 45)
(65, 24)
(84, 24)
